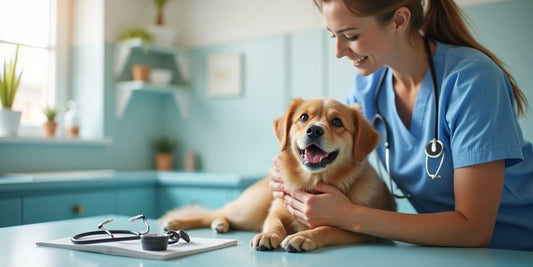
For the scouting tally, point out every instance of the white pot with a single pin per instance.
(9, 122)
(161, 77)
(162, 35)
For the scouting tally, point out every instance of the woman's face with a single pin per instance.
(361, 39)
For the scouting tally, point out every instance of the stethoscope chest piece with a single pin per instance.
(434, 148)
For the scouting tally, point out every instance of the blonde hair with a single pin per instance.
(442, 20)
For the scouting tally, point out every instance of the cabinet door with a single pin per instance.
(133, 201)
(11, 211)
(174, 197)
(67, 205)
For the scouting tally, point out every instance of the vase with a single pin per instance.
(9, 122)
(49, 128)
(164, 161)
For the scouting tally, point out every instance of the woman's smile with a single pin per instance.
(359, 61)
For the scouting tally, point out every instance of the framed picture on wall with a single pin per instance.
(224, 74)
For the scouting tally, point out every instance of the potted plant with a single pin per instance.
(9, 82)
(160, 8)
(140, 72)
(50, 125)
(161, 35)
(164, 157)
(136, 33)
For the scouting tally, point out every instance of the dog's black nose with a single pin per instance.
(315, 131)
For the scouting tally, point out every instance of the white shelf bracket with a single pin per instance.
(182, 102)
(123, 96)
(121, 56)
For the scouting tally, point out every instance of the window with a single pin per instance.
(37, 26)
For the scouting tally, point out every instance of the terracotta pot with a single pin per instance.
(49, 128)
(73, 132)
(140, 72)
(164, 161)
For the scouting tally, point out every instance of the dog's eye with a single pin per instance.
(336, 122)
(304, 117)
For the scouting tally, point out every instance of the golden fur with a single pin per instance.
(322, 140)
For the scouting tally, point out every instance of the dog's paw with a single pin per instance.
(266, 241)
(173, 225)
(220, 225)
(298, 243)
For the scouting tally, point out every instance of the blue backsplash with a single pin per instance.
(234, 134)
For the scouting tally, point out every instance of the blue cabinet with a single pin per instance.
(25, 201)
(133, 201)
(208, 197)
(11, 211)
(61, 206)
(211, 191)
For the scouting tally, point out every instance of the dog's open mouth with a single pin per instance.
(314, 157)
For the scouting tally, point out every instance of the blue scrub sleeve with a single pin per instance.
(481, 116)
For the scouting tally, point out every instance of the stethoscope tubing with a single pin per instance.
(435, 147)
(78, 239)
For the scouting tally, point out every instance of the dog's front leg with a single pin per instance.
(274, 228)
(319, 237)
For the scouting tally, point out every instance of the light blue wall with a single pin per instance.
(234, 134)
(506, 28)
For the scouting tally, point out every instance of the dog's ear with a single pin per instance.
(365, 137)
(282, 124)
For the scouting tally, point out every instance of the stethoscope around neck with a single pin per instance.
(434, 148)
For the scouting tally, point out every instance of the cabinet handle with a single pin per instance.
(77, 209)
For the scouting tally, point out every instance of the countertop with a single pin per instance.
(18, 249)
(35, 182)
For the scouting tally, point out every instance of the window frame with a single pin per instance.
(57, 91)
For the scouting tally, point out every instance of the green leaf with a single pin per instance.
(10, 81)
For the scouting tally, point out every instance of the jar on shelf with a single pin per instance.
(72, 119)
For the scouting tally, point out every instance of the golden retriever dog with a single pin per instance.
(322, 140)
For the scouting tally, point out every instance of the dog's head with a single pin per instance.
(324, 133)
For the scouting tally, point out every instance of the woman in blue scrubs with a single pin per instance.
(482, 194)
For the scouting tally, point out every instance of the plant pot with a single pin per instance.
(49, 128)
(164, 161)
(162, 35)
(140, 72)
(73, 132)
(9, 122)
(160, 77)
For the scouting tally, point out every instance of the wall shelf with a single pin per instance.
(135, 51)
(126, 89)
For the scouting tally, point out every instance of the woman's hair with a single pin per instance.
(442, 20)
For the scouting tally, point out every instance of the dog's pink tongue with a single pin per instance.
(314, 155)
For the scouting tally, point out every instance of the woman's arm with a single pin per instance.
(477, 191)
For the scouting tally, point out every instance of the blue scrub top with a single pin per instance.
(477, 124)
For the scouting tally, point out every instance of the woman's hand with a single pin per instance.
(275, 179)
(326, 206)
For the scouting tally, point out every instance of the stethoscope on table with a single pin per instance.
(435, 147)
(149, 241)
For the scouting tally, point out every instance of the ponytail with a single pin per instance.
(439, 14)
